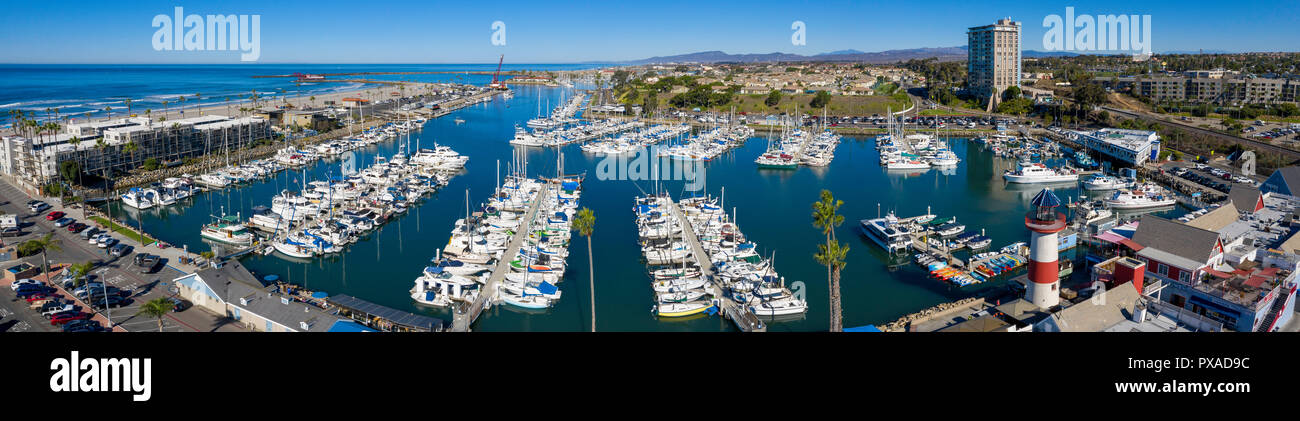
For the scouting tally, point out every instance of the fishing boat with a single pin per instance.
(1104, 182)
(228, 229)
(1145, 196)
(1033, 172)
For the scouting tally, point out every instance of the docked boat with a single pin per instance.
(139, 198)
(1033, 172)
(1145, 196)
(228, 229)
(1104, 182)
(777, 160)
(887, 233)
(680, 309)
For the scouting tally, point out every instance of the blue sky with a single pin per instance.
(402, 31)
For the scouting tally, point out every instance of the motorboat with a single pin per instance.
(1033, 172)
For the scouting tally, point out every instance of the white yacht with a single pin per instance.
(1032, 172)
(1145, 196)
(887, 233)
(1104, 182)
(139, 198)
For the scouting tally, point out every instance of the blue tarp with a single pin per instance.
(349, 326)
(319, 295)
(546, 288)
(867, 328)
(569, 185)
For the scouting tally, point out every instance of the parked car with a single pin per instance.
(121, 250)
(90, 233)
(24, 293)
(64, 313)
(88, 286)
(11, 232)
(106, 242)
(38, 207)
(83, 326)
(146, 262)
(65, 318)
(113, 301)
(54, 216)
(179, 304)
(25, 281)
(63, 222)
(58, 309)
(76, 227)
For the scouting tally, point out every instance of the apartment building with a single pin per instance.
(993, 59)
(100, 147)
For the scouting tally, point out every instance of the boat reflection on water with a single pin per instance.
(689, 318)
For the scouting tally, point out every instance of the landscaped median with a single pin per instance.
(130, 234)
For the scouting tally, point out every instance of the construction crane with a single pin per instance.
(496, 82)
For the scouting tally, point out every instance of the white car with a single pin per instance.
(22, 282)
(94, 239)
(107, 242)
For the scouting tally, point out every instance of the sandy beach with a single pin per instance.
(297, 102)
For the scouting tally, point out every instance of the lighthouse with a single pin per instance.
(1044, 222)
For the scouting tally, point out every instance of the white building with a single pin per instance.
(1134, 147)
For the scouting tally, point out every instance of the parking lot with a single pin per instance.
(118, 272)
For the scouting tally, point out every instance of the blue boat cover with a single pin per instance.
(546, 288)
(867, 328)
(569, 185)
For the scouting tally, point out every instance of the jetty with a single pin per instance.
(744, 319)
(466, 314)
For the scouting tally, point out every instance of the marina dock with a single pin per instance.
(744, 319)
(465, 316)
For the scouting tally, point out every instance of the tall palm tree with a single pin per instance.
(165, 102)
(825, 216)
(585, 223)
(47, 243)
(79, 272)
(128, 106)
(156, 308)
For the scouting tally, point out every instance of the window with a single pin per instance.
(268, 325)
(1184, 277)
(1162, 269)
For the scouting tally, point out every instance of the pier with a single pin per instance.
(744, 319)
(464, 317)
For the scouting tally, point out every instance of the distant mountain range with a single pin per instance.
(890, 56)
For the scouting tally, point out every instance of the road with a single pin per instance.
(115, 271)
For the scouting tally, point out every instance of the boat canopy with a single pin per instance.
(938, 221)
(547, 288)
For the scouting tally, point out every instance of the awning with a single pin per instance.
(1130, 244)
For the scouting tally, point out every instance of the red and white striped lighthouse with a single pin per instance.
(1044, 222)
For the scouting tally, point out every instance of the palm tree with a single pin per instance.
(585, 223)
(128, 106)
(165, 102)
(131, 147)
(156, 308)
(79, 272)
(47, 243)
(832, 253)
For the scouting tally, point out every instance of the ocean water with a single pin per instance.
(79, 89)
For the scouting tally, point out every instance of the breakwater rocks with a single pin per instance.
(944, 309)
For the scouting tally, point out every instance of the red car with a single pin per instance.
(64, 318)
(35, 297)
(55, 216)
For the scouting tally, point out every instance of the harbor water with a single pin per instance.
(773, 208)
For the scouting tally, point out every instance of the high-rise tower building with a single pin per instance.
(993, 59)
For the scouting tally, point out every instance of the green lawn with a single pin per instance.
(129, 233)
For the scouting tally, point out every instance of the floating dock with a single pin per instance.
(744, 319)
